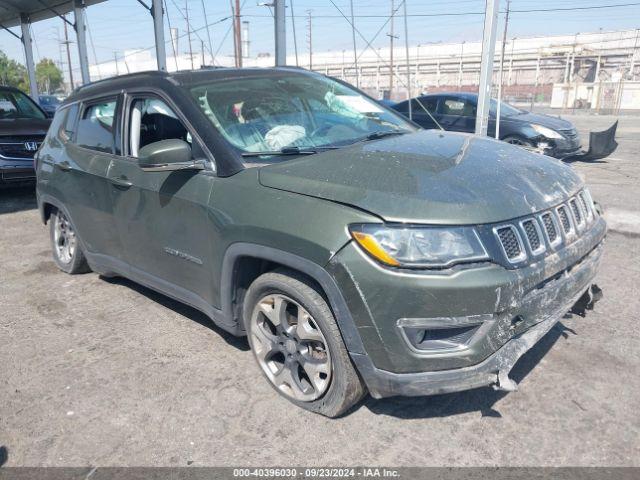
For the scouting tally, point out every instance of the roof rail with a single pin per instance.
(157, 73)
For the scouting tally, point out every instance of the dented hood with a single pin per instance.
(430, 177)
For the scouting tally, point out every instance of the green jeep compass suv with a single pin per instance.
(356, 251)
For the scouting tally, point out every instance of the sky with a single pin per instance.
(119, 25)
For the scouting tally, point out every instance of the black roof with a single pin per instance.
(159, 79)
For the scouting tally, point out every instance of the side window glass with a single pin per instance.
(68, 128)
(96, 127)
(452, 106)
(428, 102)
(152, 120)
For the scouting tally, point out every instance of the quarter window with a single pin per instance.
(96, 127)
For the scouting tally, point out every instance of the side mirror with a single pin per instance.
(167, 155)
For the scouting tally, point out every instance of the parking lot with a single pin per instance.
(104, 372)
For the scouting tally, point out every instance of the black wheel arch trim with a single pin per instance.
(337, 302)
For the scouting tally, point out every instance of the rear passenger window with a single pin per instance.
(96, 127)
(69, 128)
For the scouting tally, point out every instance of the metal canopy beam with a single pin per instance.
(81, 35)
(486, 66)
(280, 33)
(158, 29)
(28, 55)
(36, 10)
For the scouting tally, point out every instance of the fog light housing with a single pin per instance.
(443, 333)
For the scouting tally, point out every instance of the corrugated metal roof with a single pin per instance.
(36, 10)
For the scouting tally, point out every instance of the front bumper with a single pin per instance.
(493, 370)
(517, 308)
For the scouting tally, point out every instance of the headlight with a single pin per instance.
(546, 132)
(428, 247)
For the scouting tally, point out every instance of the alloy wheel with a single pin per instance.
(64, 238)
(290, 348)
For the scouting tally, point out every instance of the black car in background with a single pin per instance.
(545, 134)
(23, 125)
(49, 103)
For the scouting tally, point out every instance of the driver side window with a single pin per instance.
(152, 120)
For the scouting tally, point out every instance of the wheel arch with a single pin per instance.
(244, 262)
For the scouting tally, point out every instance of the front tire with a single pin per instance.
(520, 141)
(65, 244)
(297, 344)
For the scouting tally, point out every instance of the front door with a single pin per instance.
(162, 217)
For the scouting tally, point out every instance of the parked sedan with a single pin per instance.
(546, 134)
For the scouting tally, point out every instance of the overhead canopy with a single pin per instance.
(36, 10)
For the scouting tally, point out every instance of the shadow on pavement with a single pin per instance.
(17, 199)
(185, 310)
(4, 455)
(479, 400)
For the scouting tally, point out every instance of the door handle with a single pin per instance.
(64, 166)
(121, 182)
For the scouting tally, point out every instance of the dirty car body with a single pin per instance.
(442, 256)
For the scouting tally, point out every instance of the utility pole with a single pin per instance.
(355, 52)
(66, 42)
(206, 22)
(202, 62)
(460, 66)
(486, 66)
(310, 38)
(504, 41)
(633, 56)
(391, 38)
(406, 47)
(293, 27)
(238, 32)
(186, 16)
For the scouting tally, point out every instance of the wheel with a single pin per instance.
(298, 346)
(515, 140)
(66, 248)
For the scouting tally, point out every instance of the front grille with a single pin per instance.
(547, 230)
(20, 147)
(531, 232)
(510, 242)
(549, 227)
(564, 218)
(577, 214)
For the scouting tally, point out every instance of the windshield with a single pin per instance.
(506, 110)
(18, 105)
(269, 114)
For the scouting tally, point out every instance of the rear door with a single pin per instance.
(162, 217)
(80, 172)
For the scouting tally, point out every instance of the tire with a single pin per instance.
(299, 336)
(520, 141)
(65, 244)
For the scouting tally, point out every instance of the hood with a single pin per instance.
(430, 177)
(24, 126)
(554, 123)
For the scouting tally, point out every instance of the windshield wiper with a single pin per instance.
(382, 134)
(288, 151)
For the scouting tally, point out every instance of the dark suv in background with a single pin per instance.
(357, 252)
(23, 126)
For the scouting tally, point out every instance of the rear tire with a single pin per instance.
(297, 344)
(67, 252)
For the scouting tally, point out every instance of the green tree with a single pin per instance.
(48, 76)
(12, 73)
